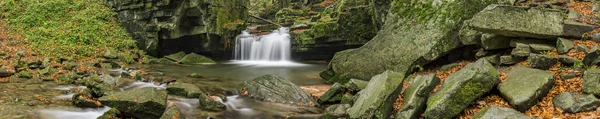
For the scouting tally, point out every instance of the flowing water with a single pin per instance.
(254, 56)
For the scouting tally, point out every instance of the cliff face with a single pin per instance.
(163, 27)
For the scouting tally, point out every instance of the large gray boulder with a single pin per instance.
(575, 102)
(495, 112)
(377, 99)
(414, 35)
(524, 86)
(143, 103)
(518, 21)
(415, 96)
(591, 82)
(462, 88)
(272, 88)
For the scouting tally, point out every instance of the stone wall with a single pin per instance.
(163, 27)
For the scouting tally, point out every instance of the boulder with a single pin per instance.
(83, 98)
(564, 45)
(194, 58)
(494, 59)
(575, 102)
(334, 94)
(176, 57)
(582, 48)
(377, 99)
(519, 21)
(492, 41)
(356, 85)
(112, 113)
(271, 88)
(184, 89)
(592, 57)
(540, 61)
(144, 103)
(522, 50)
(574, 29)
(96, 85)
(567, 60)
(462, 88)
(210, 103)
(509, 59)
(524, 86)
(495, 112)
(336, 111)
(591, 82)
(413, 35)
(348, 98)
(469, 36)
(415, 96)
(173, 112)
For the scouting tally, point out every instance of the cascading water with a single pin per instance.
(275, 46)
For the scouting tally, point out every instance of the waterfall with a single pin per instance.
(275, 46)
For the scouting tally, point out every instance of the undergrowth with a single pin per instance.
(66, 28)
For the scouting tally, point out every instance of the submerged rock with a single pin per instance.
(495, 112)
(173, 112)
(591, 82)
(334, 94)
(414, 35)
(415, 96)
(144, 103)
(461, 89)
(518, 21)
(575, 102)
(194, 58)
(184, 89)
(524, 86)
(377, 99)
(271, 88)
(336, 111)
(540, 61)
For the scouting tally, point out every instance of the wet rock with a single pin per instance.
(574, 29)
(401, 46)
(173, 112)
(111, 114)
(540, 61)
(564, 45)
(25, 74)
(524, 86)
(591, 82)
(5, 73)
(271, 88)
(184, 89)
(495, 112)
(461, 89)
(575, 102)
(144, 103)
(176, 57)
(210, 103)
(592, 57)
(111, 54)
(415, 96)
(522, 50)
(493, 41)
(334, 94)
(377, 99)
(469, 36)
(336, 111)
(195, 75)
(356, 85)
(83, 98)
(567, 60)
(97, 86)
(518, 21)
(509, 59)
(194, 58)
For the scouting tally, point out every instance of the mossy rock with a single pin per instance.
(194, 58)
(173, 112)
(176, 57)
(144, 103)
(184, 89)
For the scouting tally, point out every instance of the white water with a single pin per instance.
(68, 87)
(65, 97)
(140, 84)
(275, 46)
(77, 113)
